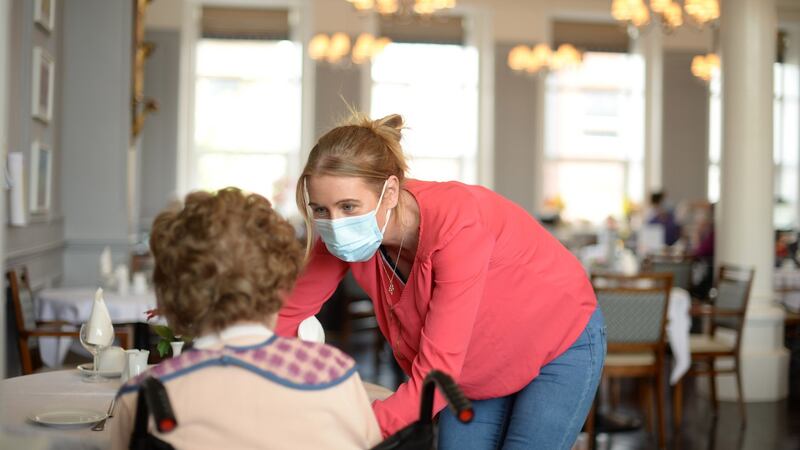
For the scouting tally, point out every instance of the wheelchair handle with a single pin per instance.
(158, 401)
(459, 404)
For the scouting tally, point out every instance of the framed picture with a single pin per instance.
(43, 82)
(44, 14)
(41, 178)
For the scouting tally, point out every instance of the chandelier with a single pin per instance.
(385, 7)
(669, 13)
(334, 48)
(705, 67)
(531, 60)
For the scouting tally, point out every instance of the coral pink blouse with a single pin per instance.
(491, 297)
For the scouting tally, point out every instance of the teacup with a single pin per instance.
(111, 359)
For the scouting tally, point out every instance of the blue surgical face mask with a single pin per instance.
(353, 239)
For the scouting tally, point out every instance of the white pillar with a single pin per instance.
(651, 46)
(745, 231)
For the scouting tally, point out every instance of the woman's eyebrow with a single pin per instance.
(348, 200)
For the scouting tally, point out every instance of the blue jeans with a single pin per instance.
(546, 414)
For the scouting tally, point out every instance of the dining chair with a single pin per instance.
(727, 311)
(680, 266)
(635, 310)
(29, 330)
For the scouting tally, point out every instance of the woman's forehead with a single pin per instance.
(323, 189)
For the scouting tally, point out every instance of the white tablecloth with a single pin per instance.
(678, 327)
(74, 305)
(23, 396)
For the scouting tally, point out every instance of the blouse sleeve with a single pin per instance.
(315, 285)
(460, 270)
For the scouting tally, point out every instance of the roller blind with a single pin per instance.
(245, 23)
(593, 37)
(435, 30)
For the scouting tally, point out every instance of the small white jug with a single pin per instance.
(135, 364)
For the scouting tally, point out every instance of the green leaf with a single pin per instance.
(164, 332)
(163, 348)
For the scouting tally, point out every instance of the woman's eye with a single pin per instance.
(348, 208)
(320, 212)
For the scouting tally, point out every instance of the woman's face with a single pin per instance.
(336, 197)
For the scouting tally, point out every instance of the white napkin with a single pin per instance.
(627, 263)
(106, 265)
(101, 331)
(311, 330)
(678, 326)
(123, 279)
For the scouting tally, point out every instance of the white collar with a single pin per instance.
(233, 332)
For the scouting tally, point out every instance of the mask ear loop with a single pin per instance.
(307, 198)
(388, 212)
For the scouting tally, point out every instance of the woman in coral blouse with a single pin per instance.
(462, 280)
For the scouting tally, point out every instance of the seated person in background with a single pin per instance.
(660, 214)
(223, 264)
(703, 253)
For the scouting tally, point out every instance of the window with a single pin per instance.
(435, 88)
(247, 116)
(594, 142)
(786, 144)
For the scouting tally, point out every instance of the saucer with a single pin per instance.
(68, 417)
(86, 369)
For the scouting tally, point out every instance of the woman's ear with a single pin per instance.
(392, 195)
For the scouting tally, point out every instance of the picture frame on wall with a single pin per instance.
(43, 85)
(41, 179)
(44, 14)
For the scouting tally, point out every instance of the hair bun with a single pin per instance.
(394, 121)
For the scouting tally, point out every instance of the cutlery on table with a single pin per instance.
(99, 426)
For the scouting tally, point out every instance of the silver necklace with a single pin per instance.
(396, 261)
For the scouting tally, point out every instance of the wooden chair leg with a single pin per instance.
(614, 386)
(677, 406)
(25, 355)
(590, 427)
(742, 408)
(645, 401)
(712, 377)
(660, 412)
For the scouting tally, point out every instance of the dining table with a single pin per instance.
(24, 396)
(74, 305)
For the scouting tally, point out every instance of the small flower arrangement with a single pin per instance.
(165, 334)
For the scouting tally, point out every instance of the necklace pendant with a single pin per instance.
(391, 288)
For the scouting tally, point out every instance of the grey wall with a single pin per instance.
(334, 87)
(159, 158)
(514, 132)
(95, 134)
(685, 130)
(39, 245)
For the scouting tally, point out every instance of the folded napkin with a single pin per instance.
(101, 330)
(106, 264)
